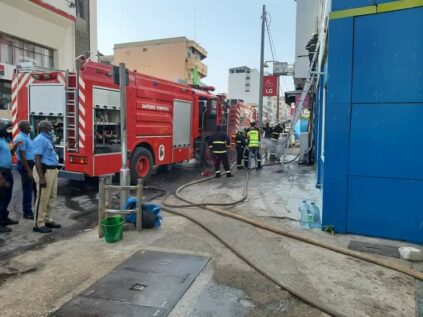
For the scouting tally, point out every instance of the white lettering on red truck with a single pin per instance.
(146, 106)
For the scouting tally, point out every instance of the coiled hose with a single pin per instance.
(211, 206)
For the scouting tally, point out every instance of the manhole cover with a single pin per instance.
(89, 307)
(164, 263)
(149, 283)
(380, 249)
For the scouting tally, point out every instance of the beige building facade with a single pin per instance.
(173, 59)
(43, 33)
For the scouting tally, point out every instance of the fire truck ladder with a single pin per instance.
(71, 112)
(309, 86)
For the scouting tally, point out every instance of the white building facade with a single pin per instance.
(308, 21)
(42, 33)
(243, 83)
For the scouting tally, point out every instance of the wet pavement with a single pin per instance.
(226, 286)
(77, 207)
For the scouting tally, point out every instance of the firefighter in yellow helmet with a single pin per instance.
(253, 143)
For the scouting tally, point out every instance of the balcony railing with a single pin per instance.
(190, 62)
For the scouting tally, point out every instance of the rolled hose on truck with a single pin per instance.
(211, 206)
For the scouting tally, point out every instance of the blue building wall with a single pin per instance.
(372, 176)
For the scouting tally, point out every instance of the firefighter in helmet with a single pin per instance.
(240, 140)
(276, 131)
(219, 143)
(253, 137)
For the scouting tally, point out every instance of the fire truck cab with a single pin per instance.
(167, 122)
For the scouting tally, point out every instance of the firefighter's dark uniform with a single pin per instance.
(253, 135)
(218, 144)
(276, 131)
(240, 140)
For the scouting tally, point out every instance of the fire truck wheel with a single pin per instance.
(141, 164)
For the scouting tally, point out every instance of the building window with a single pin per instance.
(6, 52)
(5, 94)
(82, 9)
(14, 51)
(232, 71)
(247, 90)
(240, 71)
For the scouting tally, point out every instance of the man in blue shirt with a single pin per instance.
(6, 177)
(25, 156)
(45, 177)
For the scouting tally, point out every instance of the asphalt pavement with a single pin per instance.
(77, 207)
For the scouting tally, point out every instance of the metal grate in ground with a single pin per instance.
(149, 283)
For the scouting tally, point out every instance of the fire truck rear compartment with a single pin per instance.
(47, 102)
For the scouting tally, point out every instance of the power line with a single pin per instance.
(268, 22)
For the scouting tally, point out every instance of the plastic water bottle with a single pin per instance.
(315, 212)
(303, 209)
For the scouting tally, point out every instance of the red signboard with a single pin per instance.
(1, 70)
(270, 86)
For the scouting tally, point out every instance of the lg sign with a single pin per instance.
(270, 86)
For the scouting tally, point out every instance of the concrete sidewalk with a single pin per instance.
(227, 287)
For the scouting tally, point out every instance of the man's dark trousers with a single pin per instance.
(239, 155)
(28, 187)
(5, 195)
(246, 157)
(225, 161)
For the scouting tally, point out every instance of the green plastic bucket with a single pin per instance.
(112, 228)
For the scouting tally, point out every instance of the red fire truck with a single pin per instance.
(240, 114)
(167, 122)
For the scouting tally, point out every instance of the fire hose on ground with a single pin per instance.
(212, 206)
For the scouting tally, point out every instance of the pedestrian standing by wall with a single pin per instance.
(219, 143)
(253, 136)
(45, 176)
(25, 165)
(6, 177)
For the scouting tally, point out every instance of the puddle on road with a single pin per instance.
(221, 300)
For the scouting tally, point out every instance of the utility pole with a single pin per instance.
(263, 19)
(124, 171)
(277, 100)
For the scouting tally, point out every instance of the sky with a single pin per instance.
(228, 29)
